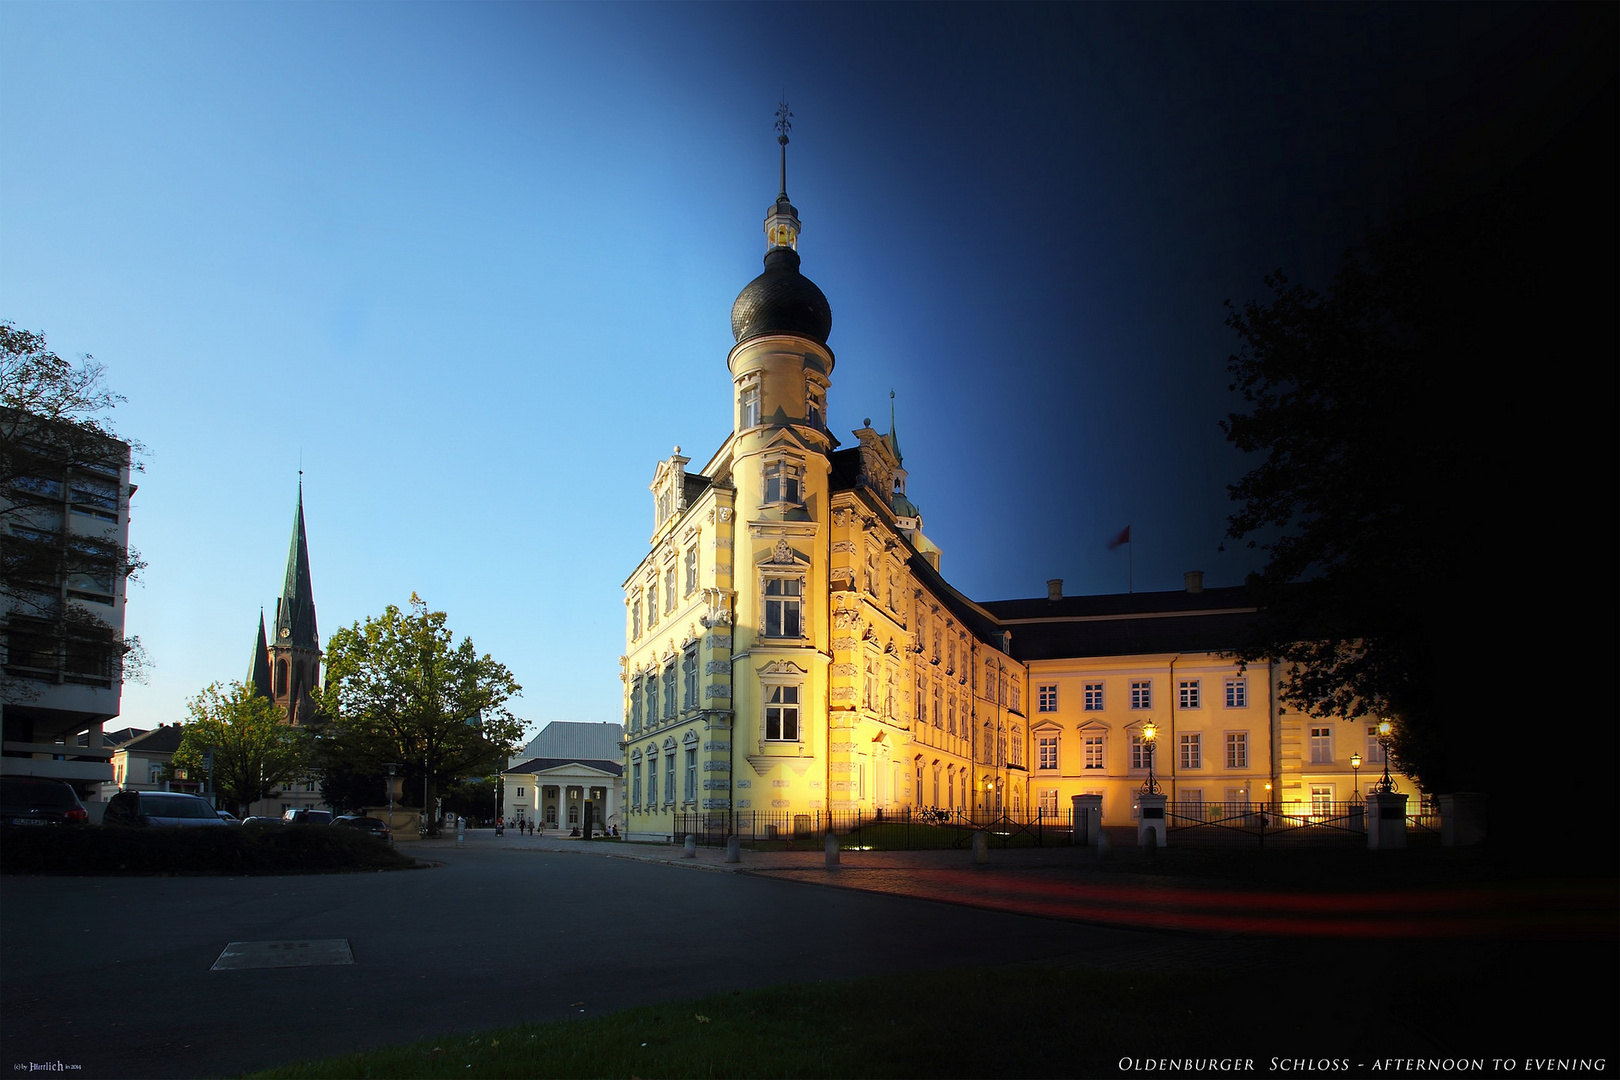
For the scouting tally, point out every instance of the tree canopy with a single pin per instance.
(400, 688)
(1419, 445)
(56, 444)
(254, 749)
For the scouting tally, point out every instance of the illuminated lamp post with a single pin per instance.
(1150, 736)
(1387, 784)
(1355, 771)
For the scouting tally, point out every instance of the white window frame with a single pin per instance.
(1237, 693)
(691, 570)
(1094, 697)
(1094, 750)
(783, 602)
(1046, 698)
(1237, 749)
(748, 406)
(1190, 750)
(1320, 738)
(786, 474)
(1188, 693)
(785, 699)
(1047, 749)
(1141, 694)
(1321, 799)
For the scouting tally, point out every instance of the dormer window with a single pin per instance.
(783, 482)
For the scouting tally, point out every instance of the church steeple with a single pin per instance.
(295, 611)
(295, 648)
(258, 675)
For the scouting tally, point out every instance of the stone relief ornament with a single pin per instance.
(843, 547)
(782, 553)
(725, 513)
(844, 643)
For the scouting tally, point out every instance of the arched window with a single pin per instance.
(281, 678)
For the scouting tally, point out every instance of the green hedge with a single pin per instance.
(235, 849)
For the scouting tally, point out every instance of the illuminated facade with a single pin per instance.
(792, 647)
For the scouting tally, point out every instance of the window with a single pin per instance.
(1237, 693)
(1048, 802)
(1321, 745)
(817, 408)
(1094, 697)
(1189, 693)
(1018, 747)
(938, 712)
(669, 689)
(635, 618)
(652, 604)
(782, 713)
(1017, 696)
(520, 793)
(652, 698)
(750, 407)
(1192, 751)
(1139, 752)
(1001, 747)
(950, 718)
(1046, 698)
(990, 680)
(652, 785)
(1094, 751)
(1142, 694)
(922, 701)
(1321, 798)
(669, 589)
(691, 570)
(1375, 746)
(635, 791)
(669, 777)
(691, 774)
(1237, 750)
(635, 704)
(782, 607)
(782, 482)
(689, 678)
(1047, 748)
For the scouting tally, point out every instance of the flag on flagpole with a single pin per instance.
(1124, 537)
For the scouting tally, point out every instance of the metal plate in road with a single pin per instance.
(246, 955)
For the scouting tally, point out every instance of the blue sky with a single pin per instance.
(472, 266)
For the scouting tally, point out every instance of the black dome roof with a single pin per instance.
(781, 301)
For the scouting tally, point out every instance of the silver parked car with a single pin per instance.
(160, 808)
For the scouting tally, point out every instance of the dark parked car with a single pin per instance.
(34, 800)
(160, 808)
(260, 820)
(374, 826)
(307, 817)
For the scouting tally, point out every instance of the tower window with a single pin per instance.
(783, 607)
(750, 407)
(782, 483)
(782, 713)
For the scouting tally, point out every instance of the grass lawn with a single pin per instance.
(232, 849)
(1024, 1021)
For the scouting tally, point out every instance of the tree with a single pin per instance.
(254, 749)
(399, 688)
(57, 445)
(1412, 481)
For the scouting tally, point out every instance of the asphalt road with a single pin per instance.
(112, 974)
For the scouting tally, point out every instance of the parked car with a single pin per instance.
(261, 820)
(34, 800)
(228, 818)
(169, 808)
(374, 826)
(307, 817)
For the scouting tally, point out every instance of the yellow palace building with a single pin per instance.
(793, 650)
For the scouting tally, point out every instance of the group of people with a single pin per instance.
(520, 824)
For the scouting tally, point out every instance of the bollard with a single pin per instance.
(1105, 846)
(981, 848)
(690, 851)
(461, 832)
(1150, 841)
(734, 849)
(832, 851)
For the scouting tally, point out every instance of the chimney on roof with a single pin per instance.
(1194, 580)
(1054, 589)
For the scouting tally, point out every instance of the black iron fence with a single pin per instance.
(885, 829)
(1319, 820)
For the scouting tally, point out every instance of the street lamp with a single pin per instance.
(1355, 771)
(1386, 785)
(1150, 735)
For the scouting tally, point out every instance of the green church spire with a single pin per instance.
(295, 610)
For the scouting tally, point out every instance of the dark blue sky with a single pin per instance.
(473, 265)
